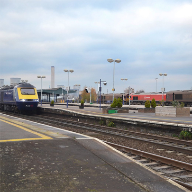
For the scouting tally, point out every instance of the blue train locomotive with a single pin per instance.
(22, 97)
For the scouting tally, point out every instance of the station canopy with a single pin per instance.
(56, 91)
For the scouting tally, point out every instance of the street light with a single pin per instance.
(163, 89)
(156, 84)
(41, 86)
(71, 71)
(110, 61)
(123, 91)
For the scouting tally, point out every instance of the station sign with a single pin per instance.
(162, 89)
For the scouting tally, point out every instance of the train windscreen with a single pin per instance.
(27, 91)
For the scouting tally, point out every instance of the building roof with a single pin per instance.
(55, 91)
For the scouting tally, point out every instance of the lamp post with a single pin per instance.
(156, 84)
(123, 91)
(71, 71)
(163, 89)
(105, 83)
(41, 86)
(90, 94)
(110, 61)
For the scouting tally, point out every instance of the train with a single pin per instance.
(19, 98)
(141, 98)
(184, 96)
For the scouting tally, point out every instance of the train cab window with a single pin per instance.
(27, 91)
(135, 98)
(178, 96)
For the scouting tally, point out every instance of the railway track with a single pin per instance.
(177, 170)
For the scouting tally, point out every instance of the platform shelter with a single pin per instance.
(54, 92)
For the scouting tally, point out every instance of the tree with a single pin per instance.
(153, 103)
(147, 104)
(117, 103)
(140, 91)
(93, 94)
(126, 91)
(86, 96)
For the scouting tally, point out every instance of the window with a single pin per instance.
(27, 91)
(178, 96)
(135, 98)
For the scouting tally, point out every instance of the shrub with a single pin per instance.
(52, 102)
(162, 102)
(82, 102)
(117, 103)
(185, 135)
(114, 104)
(111, 124)
(101, 122)
(182, 104)
(153, 103)
(147, 104)
(175, 103)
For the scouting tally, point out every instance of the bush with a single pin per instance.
(117, 103)
(147, 104)
(114, 104)
(182, 104)
(101, 122)
(82, 102)
(175, 103)
(111, 124)
(162, 102)
(153, 103)
(52, 102)
(185, 135)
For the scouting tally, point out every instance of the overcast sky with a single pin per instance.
(149, 36)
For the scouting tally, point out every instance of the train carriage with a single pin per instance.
(22, 97)
(184, 96)
(141, 98)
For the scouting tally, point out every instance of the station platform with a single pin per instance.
(133, 115)
(37, 157)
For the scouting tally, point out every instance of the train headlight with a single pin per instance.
(22, 100)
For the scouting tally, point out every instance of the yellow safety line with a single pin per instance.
(33, 132)
(25, 139)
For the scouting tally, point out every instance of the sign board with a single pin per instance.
(162, 89)
(113, 89)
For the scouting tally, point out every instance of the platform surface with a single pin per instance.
(36, 157)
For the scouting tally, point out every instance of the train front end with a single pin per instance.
(26, 97)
